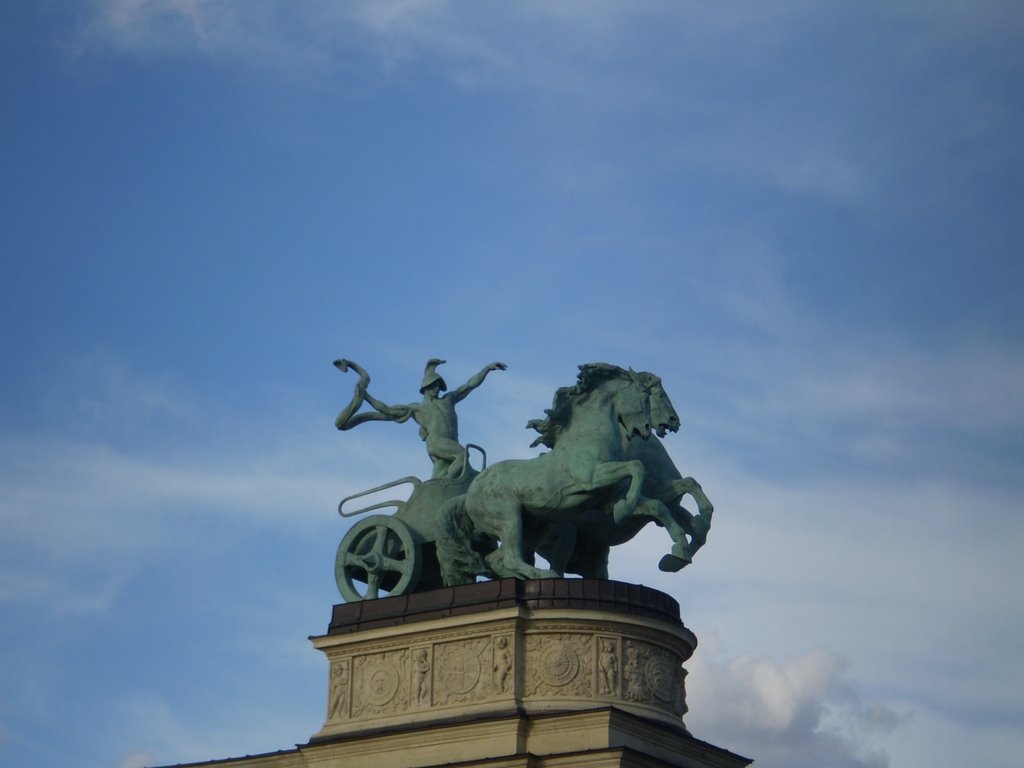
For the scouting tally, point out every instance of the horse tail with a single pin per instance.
(460, 562)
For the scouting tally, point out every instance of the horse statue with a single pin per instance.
(582, 547)
(589, 429)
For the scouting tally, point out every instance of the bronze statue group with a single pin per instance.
(606, 475)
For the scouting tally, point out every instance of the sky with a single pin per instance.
(805, 217)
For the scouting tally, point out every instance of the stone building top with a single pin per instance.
(613, 597)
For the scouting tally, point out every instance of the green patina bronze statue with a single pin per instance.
(439, 427)
(605, 477)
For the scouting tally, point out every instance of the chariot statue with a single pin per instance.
(605, 476)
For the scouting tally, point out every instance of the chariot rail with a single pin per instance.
(396, 503)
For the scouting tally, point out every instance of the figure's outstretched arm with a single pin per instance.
(348, 417)
(475, 381)
(345, 419)
(385, 412)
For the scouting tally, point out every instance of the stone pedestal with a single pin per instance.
(531, 674)
(552, 672)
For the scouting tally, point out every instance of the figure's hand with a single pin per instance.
(497, 367)
(341, 364)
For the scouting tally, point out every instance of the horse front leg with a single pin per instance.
(611, 472)
(698, 525)
(682, 552)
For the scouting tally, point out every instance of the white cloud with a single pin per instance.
(691, 60)
(79, 518)
(972, 387)
(101, 391)
(787, 385)
(799, 712)
(170, 26)
(910, 583)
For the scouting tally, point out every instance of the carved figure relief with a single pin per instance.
(502, 664)
(560, 665)
(654, 675)
(632, 675)
(607, 667)
(421, 676)
(379, 688)
(339, 690)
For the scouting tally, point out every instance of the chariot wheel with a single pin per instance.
(379, 553)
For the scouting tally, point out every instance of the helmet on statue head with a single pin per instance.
(432, 377)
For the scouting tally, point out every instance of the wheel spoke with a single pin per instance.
(372, 585)
(392, 564)
(356, 561)
(368, 542)
(380, 540)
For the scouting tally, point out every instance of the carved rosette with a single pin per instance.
(380, 683)
(559, 665)
(460, 671)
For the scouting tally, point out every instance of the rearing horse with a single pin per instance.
(583, 546)
(586, 469)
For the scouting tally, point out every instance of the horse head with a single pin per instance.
(663, 414)
(638, 400)
(632, 403)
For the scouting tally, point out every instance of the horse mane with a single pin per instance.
(557, 417)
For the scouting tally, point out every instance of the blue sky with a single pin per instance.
(805, 217)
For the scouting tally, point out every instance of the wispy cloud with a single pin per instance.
(799, 712)
(106, 392)
(611, 61)
(863, 571)
(80, 517)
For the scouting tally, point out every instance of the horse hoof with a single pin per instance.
(671, 563)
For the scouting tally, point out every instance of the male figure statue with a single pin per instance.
(439, 426)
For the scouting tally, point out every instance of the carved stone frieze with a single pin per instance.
(660, 674)
(380, 686)
(459, 671)
(502, 661)
(653, 675)
(502, 666)
(633, 682)
(559, 665)
(338, 700)
(608, 666)
(420, 685)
